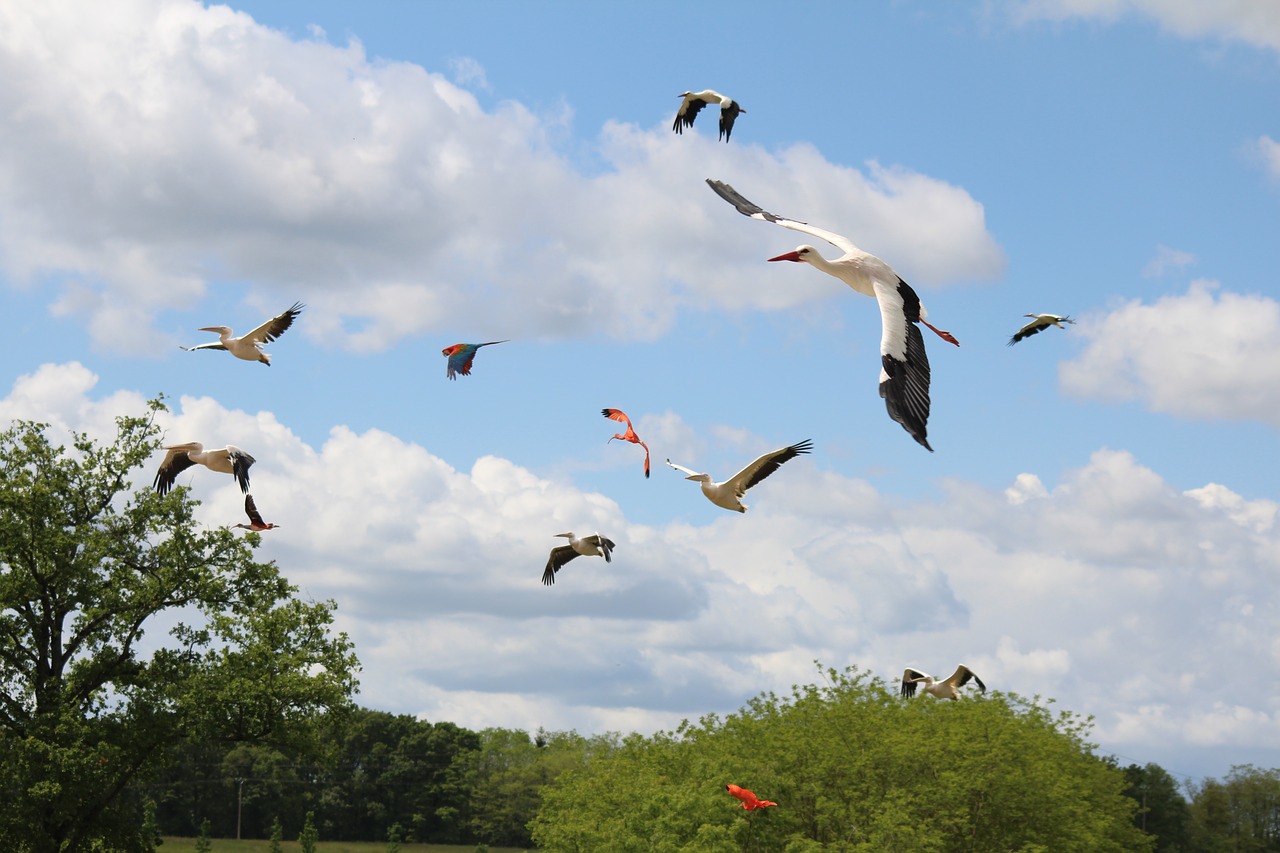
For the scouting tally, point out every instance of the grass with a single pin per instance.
(173, 844)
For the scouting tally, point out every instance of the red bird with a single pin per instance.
(749, 800)
(462, 355)
(629, 435)
(256, 524)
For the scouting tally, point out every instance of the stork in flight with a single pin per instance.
(948, 689)
(692, 104)
(629, 435)
(256, 524)
(749, 800)
(1039, 324)
(225, 460)
(249, 347)
(587, 546)
(904, 365)
(461, 356)
(729, 493)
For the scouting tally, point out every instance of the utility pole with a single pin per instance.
(239, 802)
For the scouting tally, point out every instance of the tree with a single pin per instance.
(87, 567)
(309, 836)
(1240, 813)
(853, 767)
(1162, 810)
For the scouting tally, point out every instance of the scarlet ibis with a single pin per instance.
(249, 347)
(947, 689)
(461, 356)
(729, 493)
(904, 365)
(1041, 322)
(693, 102)
(749, 800)
(588, 546)
(256, 524)
(629, 435)
(225, 460)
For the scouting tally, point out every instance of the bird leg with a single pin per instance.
(946, 336)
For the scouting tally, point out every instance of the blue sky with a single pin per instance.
(1098, 523)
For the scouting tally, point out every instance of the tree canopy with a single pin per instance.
(853, 767)
(90, 703)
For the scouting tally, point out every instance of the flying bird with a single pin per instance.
(1041, 322)
(225, 460)
(749, 800)
(692, 104)
(461, 356)
(904, 365)
(587, 546)
(629, 435)
(729, 493)
(249, 347)
(948, 689)
(256, 524)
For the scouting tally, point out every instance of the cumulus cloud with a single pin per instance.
(1167, 260)
(1254, 22)
(160, 147)
(1109, 590)
(1183, 355)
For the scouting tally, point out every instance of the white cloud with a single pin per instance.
(1110, 590)
(1254, 22)
(1269, 150)
(1185, 355)
(160, 147)
(1167, 260)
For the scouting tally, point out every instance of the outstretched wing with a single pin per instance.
(617, 415)
(963, 675)
(461, 357)
(276, 326)
(728, 115)
(766, 465)
(559, 556)
(251, 509)
(684, 470)
(748, 208)
(240, 463)
(214, 345)
(909, 678)
(688, 111)
(175, 462)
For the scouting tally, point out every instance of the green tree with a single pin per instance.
(853, 767)
(86, 568)
(1240, 813)
(309, 836)
(204, 843)
(277, 836)
(1162, 809)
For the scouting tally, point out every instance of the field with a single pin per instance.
(220, 845)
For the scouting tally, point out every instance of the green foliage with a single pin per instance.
(309, 836)
(86, 568)
(277, 837)
(1239, 813)
(853, 768)
(1162, 810)
(204, 844)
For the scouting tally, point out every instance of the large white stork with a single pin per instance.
(729, 493)
(249, 347)
(904, 365)
(948, 689)
(225, 460)
(1039, 323)
(588, 546)
(692, 104)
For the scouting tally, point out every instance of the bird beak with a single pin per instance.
(789, 256)
(210, 329)
(565, 535)
(691, 478)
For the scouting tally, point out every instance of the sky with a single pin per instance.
(1098, 524)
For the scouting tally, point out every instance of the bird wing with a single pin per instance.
(605, 545)
(276, 326)
(617, 415)
(559, 556)
(766, 465)
(461, 360)
(214, 345)
(240, 463)
(904, 374)
(728, 114)
(962, 676)
(251, 509)
(747, 208)
(688, 471)
(688, 111)
(909, 678)
(175, 462)
(1034, 327)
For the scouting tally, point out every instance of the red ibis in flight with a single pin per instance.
(948, 689)
(749, 800)
(629, 435)
(728, 494)
(225, 460)
(249, 347)
(256, 524)
(693, 102)
(587, 546)
(1038, 324)
(461, 356)
(904, 365)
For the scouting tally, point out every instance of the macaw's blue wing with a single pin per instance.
(461, 357)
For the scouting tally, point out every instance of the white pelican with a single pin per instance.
(1041, 322)
(249, 347)
(693, 102)
(256, 524)
(587, 546)
(948, 689)
(904, 366)
(225, 460)
(729, 493)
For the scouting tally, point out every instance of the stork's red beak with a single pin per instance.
(789, 256)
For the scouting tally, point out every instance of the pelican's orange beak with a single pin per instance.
(789, 256)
